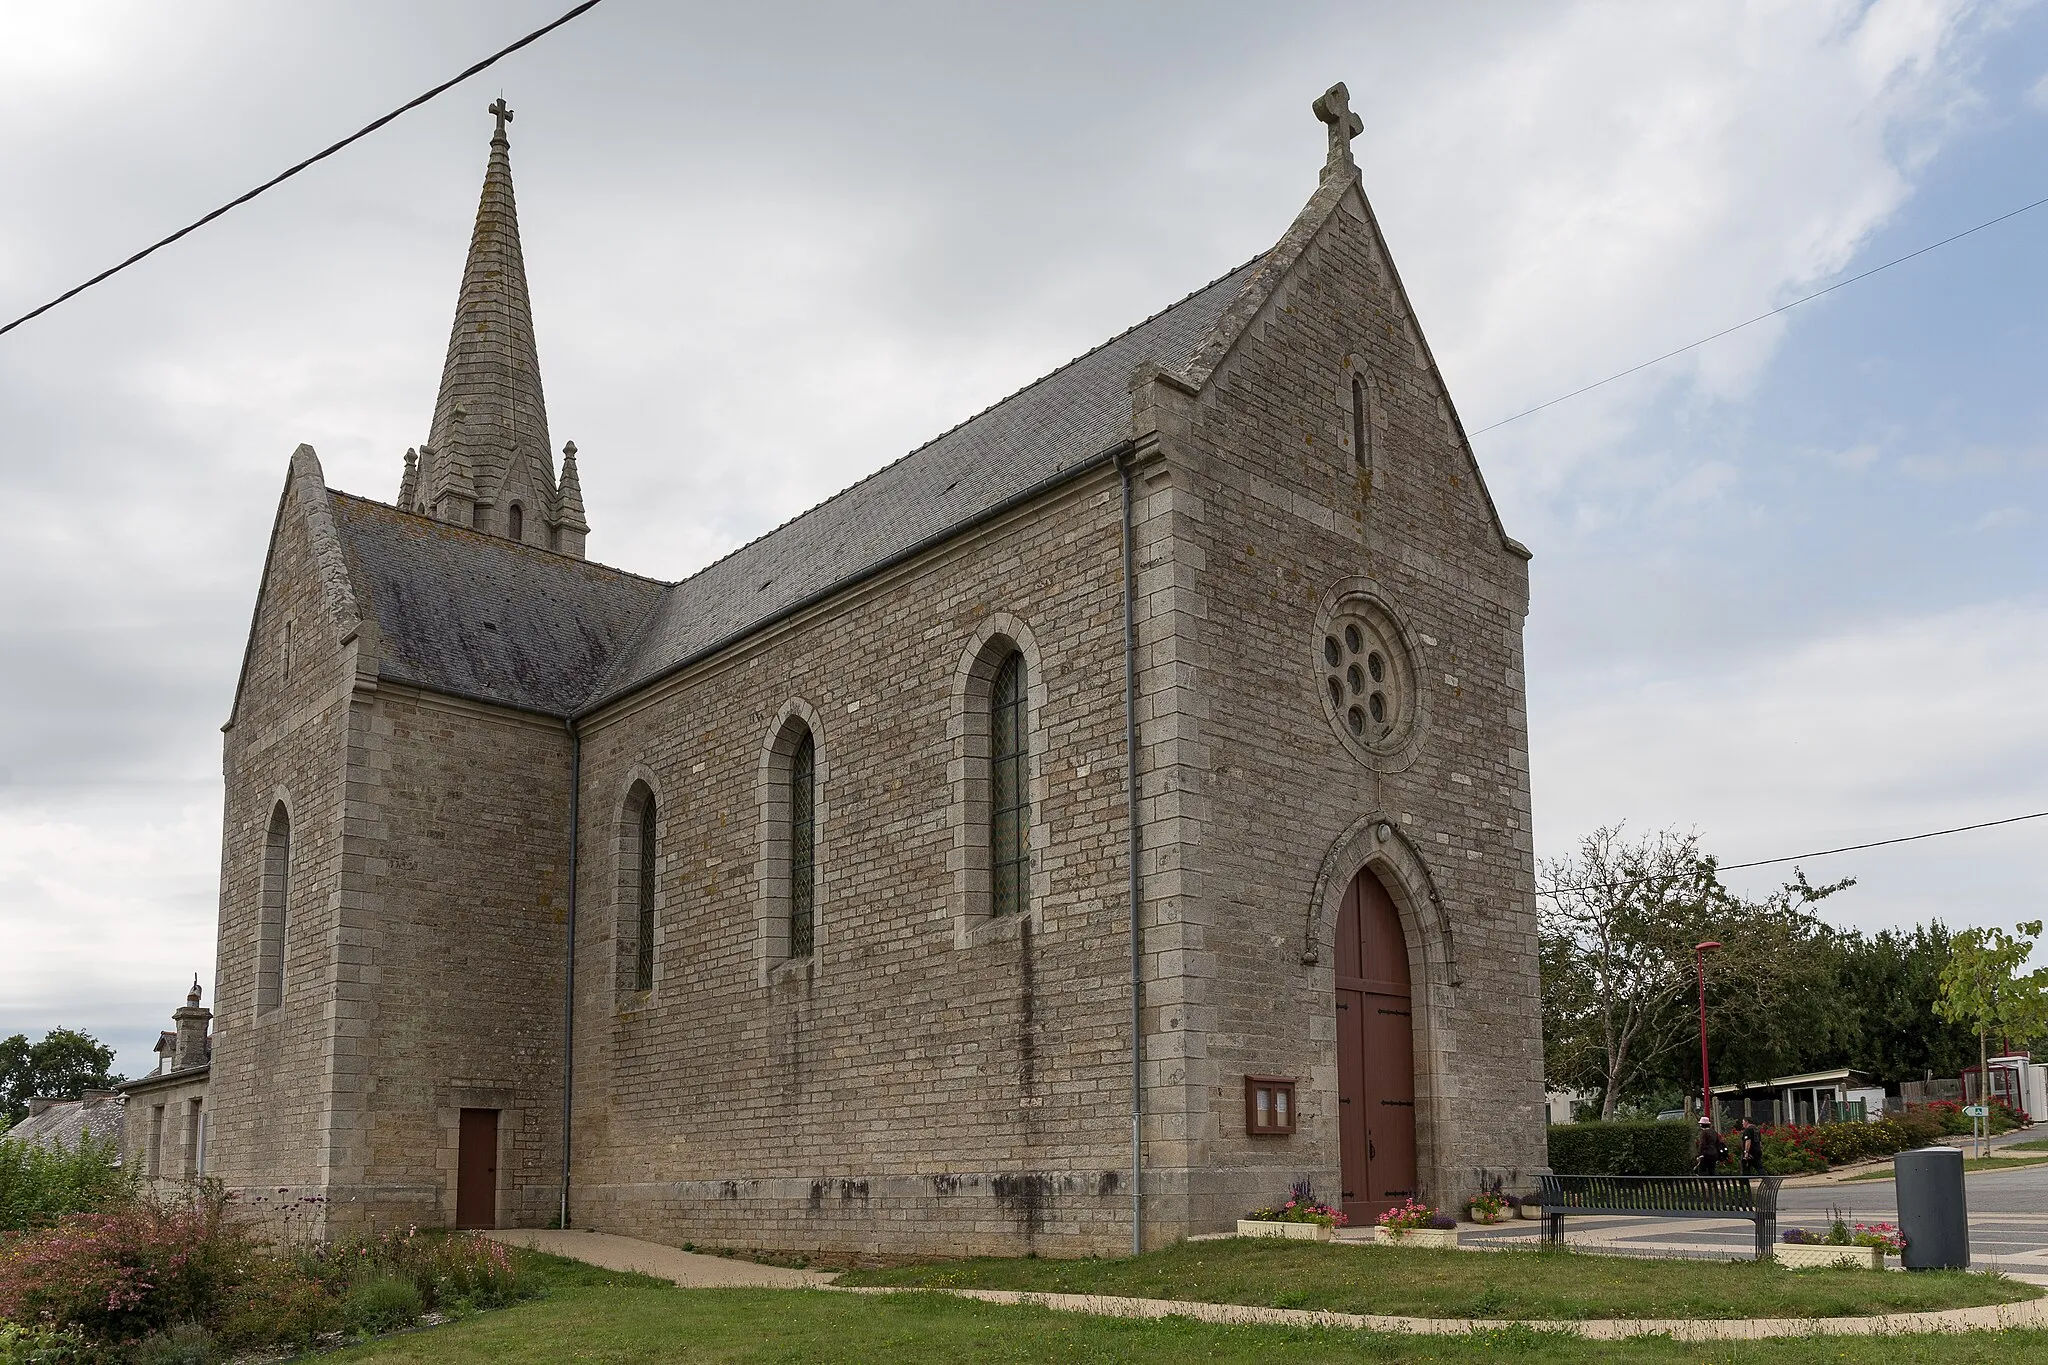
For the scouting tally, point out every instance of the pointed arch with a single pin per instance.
(997, 724)
(638, 901)
(274, 907)
(792, 781)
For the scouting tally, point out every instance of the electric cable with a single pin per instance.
(1760, 317)
(279, 179)
(1794, 857)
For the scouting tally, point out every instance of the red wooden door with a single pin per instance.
(476, 1170)
(1375, 1053)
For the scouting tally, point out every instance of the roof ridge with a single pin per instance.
(506, 541)
(922, 446)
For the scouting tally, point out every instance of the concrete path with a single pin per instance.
(685, 1268)
(693, 1271)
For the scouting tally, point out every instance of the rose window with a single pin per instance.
(1367, 680)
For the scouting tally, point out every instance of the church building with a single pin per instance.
(1069, 835)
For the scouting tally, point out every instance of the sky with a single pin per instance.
(1787, 588)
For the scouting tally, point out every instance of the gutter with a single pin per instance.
(1130, 590)
(569, 974)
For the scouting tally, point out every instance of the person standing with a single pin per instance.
(1751, 1139)
(1711, 1149)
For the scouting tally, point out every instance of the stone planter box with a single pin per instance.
(1307, 1232)
(1442, 1238)
(1531, 1212)
(1805, 1256)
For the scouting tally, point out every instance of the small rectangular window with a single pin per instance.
(1269, 1106)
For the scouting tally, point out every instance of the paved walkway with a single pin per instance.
(689, 1269)
(693, 1271)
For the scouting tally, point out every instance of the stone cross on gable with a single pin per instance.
(1333, 107)
(504, 113)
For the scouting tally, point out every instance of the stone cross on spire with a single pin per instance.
(504, 113)
(1333, 107)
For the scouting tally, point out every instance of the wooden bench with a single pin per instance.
(1753, 1198)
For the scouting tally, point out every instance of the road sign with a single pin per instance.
(1976, 1111)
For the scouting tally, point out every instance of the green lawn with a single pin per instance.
(2030, 1145)
(1460, 1284)
(1971, 1165)
(614, 1319)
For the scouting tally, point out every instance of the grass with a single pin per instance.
(607, 1318)
(2030, 1145)
(1971, 1165)
(1464, 1284)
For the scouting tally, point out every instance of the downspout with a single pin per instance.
(1123, 467)
(569, 975)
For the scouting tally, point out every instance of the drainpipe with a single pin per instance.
(1123, 466)
(569, 975)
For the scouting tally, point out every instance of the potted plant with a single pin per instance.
(1415, 1223)
(1302, 1216)
(1862, 1247)
(1488, 1206)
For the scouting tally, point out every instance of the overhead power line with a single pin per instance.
(1760, 317)
(279, 179)
(1796, 857)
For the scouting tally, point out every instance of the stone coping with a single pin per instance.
(1990, 1317)
(693, 1270)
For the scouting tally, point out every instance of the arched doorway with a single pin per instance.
(1375, 1053)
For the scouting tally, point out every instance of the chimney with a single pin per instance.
(38, 1105)
(192, 1021)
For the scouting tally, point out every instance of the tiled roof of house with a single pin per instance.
(1022, 443)
(484, 617)
(63, 1123)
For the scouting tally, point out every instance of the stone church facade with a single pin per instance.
(790, 906)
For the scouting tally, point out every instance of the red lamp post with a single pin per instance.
(1699, 956)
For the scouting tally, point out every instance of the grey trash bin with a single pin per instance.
(1932, 1211)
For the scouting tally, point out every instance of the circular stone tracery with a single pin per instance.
(1367, 679)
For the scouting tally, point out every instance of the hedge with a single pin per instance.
(1629, 1148)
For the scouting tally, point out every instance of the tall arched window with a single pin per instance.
(1361, 423)
(803, 831)
(639, 889)
(643, 948)
(273, 910)
(1009, 808)
(516, 522)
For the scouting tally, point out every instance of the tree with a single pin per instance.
(64, 1064)
(1982, 986)
(1617, 923)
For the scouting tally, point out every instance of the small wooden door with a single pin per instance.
(1375, 1053)
(476, 1170)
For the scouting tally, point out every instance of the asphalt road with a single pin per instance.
(2008, 1222)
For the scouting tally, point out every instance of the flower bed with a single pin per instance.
(1301, 1208)
(107, 1285)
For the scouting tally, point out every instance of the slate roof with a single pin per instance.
(1024, 442)
(485, 617)
(65, 1122)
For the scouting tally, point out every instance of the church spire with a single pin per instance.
(489, 441)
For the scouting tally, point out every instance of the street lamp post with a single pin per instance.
(1699, 955)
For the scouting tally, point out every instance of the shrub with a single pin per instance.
(1633, 1148)
(39, 1185)
(459, 1269)
(381, 1301)
(1919, 1126)
(186, 1344)
(272, 1304)
(1792, 1150)
(123, 1273)
(40, 1346)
